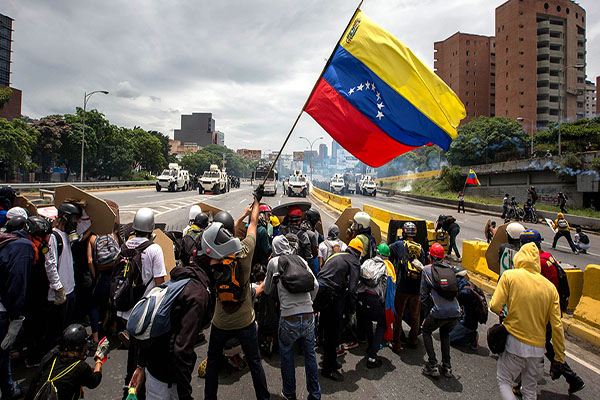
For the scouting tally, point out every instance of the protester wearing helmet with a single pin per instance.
(505, 204)
(563, 229)
(377, 280)
(275, 224)
(153, 274)
(438, 276)
(297, 236)
(234, 318)
(191, 240)
(549, 269)
(513, 233)
(16, 259)
(262, 252)
(194, 210)
(15, 219)
(311, 219)
(60, 270)
(339, 274)
(68, 369)
(581, 240)
(361, 229)
(408, 257)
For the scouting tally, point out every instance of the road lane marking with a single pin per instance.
(149, 195)
(243, 201)
(582, 362)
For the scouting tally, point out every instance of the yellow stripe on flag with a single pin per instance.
(396, 64)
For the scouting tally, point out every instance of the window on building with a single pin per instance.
(474, 73)
(521, 79)
(502, 27)
(521, 52)
(467, 73)
(521, 39)
(507, 38)
(521, 93)
(567, 10)
(467, 83)
(558, 8)
(507, 100)
(506, 87)
(467, 63)
(467, 53)
(546, 5)
(467, 93)
(474, 93)
(521, 26)
(506, 62)
(507, 50)
(521, 66)
(474, 83)
(521, 13)
(507, 74)
(467, 104)
(521, 106)
(468, 42)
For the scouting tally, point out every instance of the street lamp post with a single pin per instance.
(520, 119)
(562, 70)
(86, 97)
(311, 153)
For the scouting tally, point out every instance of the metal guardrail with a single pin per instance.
(24, 187)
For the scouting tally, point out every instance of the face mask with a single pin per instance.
(71, 228)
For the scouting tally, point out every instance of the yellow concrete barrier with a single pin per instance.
(575, 277)
(473, 258)
(382, 218)
(434, 236)
(408, 177)
(340, 203)
(588, 309)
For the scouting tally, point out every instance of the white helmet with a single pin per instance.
(362, 220)
(194, 210)
(514, 229)
(144, 220)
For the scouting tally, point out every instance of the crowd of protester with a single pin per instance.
(263, 286)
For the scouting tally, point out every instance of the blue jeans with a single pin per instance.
(99, 303)
(289, 333)
(462, 335)
(248, 338)
(370, 309)
(6, 382)
(453, 245)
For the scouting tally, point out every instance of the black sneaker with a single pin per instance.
(517, 391)
(432, 371)
(376, 363)
(333, 375)
(447, 372)
(286, 397)
(577, 386)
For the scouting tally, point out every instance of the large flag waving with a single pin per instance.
(472, 178)
(378, 100)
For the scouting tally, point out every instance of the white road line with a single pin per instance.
(168, 208)
(243, 201)
(279, 202)
(582, 362)
(143, 197)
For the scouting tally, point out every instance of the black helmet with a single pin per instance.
(409, 229)
(16, 223)
(226, 219)
(38, 226)
(74, 338)
(201, 220)
(313, 216)
(69, 209)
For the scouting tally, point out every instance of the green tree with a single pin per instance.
(575, 137)
(165, 146)
(5, 95)
(48, 147)
(17, 140)
(147, 150)
(484, 140)
(117, 156)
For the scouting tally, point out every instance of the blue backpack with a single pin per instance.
(151, 316)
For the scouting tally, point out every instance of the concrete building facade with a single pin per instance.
(590, 100)
(220, 138)
(597, 102)
(5, 49)
(197, 128)
(466, 62)
(248, 154)
(538, 46)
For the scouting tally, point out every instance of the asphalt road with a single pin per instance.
(399, 377)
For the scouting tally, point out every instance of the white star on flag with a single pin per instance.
(351, 91)
(360, 87)
(378, 96)
(380, 106)
(379, 115)
(372, 86)
(368, 85)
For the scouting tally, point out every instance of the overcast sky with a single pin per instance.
(251, 63)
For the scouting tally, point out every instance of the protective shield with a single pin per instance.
(100, 213)
(491, 255)
(344, 222)
(395, 232)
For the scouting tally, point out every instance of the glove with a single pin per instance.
(259, 192)
(60, 296)
(556, 370)
(102, 350)
(13, 330)
(417, 264)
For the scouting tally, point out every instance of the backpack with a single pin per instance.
(299, 240)
(480, 307)
(412, 251)
(564, 292)
(294, 274)
(444, 281)
(106, 251)
(583, 238)
(332, 248)
(59, 244)
(266, 310)
(48, 390)
(371, 272)
(562, 223)
(126, 284)
(229, 282)
(190, 242)
(151, 316)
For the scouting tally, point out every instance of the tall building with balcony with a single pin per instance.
(590, 100)
(540, 60)
(466, 62)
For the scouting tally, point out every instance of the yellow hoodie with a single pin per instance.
(532, 302)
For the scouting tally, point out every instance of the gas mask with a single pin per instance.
(71, 230)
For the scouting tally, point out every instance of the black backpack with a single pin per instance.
(444, 281)
(480, 307)
(294, 274)
(266, 310)
(583, 238)
(126, 285)
(229, 282)
(301, 241)
(564, 292)
(189, 243)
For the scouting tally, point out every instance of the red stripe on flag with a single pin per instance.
(350, 128)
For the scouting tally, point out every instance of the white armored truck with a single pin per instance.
(173, 179)
(214, 180)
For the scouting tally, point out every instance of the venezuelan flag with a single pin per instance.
(390, 295)
(378, 100)
(472, 178)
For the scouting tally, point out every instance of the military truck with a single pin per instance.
(297, 185)
(214, 180)
(367, 186)
(173, 179)
(337, 184)
(350, 182)
(271, 182)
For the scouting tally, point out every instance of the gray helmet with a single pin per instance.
(218, 243)
(143, 220)
(409, 229)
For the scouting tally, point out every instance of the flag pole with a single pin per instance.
(311, 93)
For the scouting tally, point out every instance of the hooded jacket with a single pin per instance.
(532, 302)
(558, 228)
(290, 303)
(171, 358)
(341, 271)
(16, 258)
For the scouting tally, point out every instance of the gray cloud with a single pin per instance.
(252, 64)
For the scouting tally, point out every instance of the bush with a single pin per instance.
(453, 178)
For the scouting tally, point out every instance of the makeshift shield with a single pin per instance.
(23, 202)
(491, 255)
(100, 213)
(344, 222)
(395, 232)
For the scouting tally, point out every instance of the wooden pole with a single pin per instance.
(311, 93)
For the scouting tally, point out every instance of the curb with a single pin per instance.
(575, 328)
